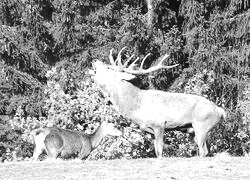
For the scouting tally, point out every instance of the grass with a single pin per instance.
(224, 167)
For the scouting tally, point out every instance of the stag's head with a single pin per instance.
(114, 73)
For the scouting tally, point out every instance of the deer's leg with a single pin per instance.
(151, 131)
(159, 132)
(201, 129)
(39, 147)
(54, 145)
(200, 138)
(85, 150)
(38, 150)
(201, 141)
(53, 153)
(83, 155)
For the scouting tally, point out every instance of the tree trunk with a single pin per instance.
(151, 16)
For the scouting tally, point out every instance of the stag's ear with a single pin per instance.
(127, 77)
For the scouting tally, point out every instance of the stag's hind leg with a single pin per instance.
(201, 142)
(201, 138)
(159, 133)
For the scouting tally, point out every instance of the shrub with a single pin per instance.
(82, 111)
(12, 146)
(229, 135)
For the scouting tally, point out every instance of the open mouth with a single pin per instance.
(93, 65)
(92, 72)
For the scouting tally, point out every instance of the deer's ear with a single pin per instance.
(127, 77)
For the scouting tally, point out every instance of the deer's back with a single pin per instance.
(175, 109)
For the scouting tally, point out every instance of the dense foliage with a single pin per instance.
(46, 49)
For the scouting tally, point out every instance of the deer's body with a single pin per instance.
(67, 143)
(154, 110)
(156, 107)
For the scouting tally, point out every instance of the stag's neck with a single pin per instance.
(97, 137)
(125, 97)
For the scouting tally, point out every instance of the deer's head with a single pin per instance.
(110, 129)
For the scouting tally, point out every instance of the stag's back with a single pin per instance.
(174, 109)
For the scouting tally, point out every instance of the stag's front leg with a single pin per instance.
(159, 132)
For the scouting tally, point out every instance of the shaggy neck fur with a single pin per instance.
(124, 96)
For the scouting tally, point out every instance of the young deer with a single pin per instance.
(154, 110)
(56, 141)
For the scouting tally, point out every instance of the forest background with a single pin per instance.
(47, 47)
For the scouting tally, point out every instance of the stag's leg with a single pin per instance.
(200, 138)
(201, 141)
(151, 131)
(159, 132)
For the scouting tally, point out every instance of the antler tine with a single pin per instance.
(166, 67)
(165, 57)
(111, 59)
(142, 63)
(126, 63)
(151, 69)
(131, 66)
(160, 66)
(133, 63)
(119, 57)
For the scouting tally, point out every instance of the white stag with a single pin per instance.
(66, 143)
(153, 110)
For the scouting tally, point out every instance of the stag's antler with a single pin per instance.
(130, 69)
